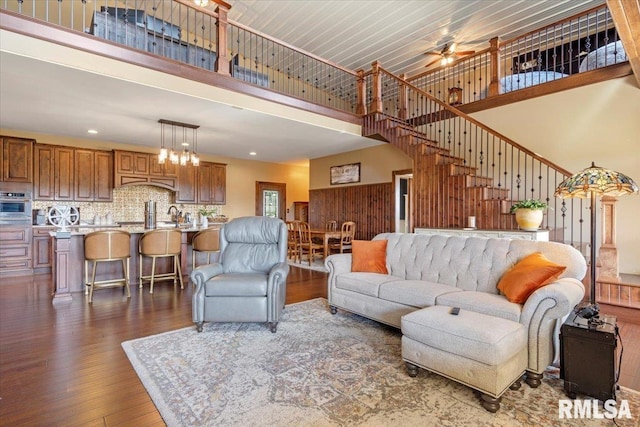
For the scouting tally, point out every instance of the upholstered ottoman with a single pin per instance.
(486, 353)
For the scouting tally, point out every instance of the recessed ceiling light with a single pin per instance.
(92, 131)
(252, 153)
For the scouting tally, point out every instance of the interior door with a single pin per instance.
(271, 199)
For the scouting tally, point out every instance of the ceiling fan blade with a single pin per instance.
(431, 63)
(431, 52)
(466, 52)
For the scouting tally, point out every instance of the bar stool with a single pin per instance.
(161, 244)
(105, 246)
(205, 241)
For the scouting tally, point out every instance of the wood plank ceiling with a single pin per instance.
(397, 32)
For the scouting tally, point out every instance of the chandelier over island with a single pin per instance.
(186, 155)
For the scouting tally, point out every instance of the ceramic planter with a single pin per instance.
(529, 219)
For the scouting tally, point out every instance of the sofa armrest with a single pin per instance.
(199, 276)
(338, 264)
(565, 294)
(540, 316)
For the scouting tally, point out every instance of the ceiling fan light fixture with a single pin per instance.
(201, 3)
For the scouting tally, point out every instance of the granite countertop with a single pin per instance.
(131, 228)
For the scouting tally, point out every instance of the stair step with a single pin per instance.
(447, 160)
(487, 193)
(470, 180)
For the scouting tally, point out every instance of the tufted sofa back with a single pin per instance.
(469, 263)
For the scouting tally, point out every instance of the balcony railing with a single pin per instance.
(575, 45)
(208, 40)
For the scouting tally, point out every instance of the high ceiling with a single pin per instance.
(56, 91)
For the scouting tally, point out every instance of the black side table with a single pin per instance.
(588, 357)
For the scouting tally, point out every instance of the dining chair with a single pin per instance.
(105, 246)
(293, 243)
(306, 245)
(347, 233)
(331, 226)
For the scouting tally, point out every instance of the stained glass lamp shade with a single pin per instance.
(589, 183)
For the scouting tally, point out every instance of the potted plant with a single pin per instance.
(529, 213)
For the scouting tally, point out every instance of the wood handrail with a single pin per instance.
(459, 113)
(555, 24)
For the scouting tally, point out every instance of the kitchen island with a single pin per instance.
(68, 258)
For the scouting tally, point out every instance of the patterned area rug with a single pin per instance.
(320, 370)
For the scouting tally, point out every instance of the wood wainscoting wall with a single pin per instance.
(369, 206)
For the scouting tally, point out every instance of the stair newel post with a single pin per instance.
(403, 101)
(376, 101)
(361, 107)
(222, 59)
(494, 62)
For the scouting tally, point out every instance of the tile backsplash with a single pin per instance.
(128, 204)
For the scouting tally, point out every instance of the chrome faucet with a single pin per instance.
(176, 215)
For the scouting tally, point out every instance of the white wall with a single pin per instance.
(599, 123)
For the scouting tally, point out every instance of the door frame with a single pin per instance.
(408, 175)
(281, 188)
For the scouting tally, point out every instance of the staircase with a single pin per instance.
(467, 192)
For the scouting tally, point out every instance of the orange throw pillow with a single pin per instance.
(530, 273)
(369, 256)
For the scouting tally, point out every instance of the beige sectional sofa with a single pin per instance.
(428, 270)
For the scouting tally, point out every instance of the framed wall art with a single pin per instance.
(345, 174)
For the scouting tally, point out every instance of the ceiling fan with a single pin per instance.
(447, 54)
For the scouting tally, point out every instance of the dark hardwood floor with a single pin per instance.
(63, 365)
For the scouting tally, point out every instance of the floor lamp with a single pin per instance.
(589, 183)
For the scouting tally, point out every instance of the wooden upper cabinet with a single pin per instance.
(219, 183)
(54, 177)
(63, 173)
(204, 184)
(157, 169)
(128, 162)
(187, 180)
(142, 168)
(17, 159)
(85, 178)
(204, 189)
(103, 176)
(43, 188)
(94, 176)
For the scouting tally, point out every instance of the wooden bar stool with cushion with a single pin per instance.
(205, 241)
(105, 246)
(161, 244)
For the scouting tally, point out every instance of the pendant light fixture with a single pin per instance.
(201, 3)
(186, 156)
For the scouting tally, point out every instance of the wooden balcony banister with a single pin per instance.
(494, 85)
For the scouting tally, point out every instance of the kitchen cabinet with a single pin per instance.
(219, 183)
(133, 168)
(204, 184)
(16, 159)
(94, 176)
(42, 250)
(54, 176)
(15, 250)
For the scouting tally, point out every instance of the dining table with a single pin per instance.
(326, 235)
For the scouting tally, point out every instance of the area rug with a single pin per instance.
(320, 370)
(316, 265)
